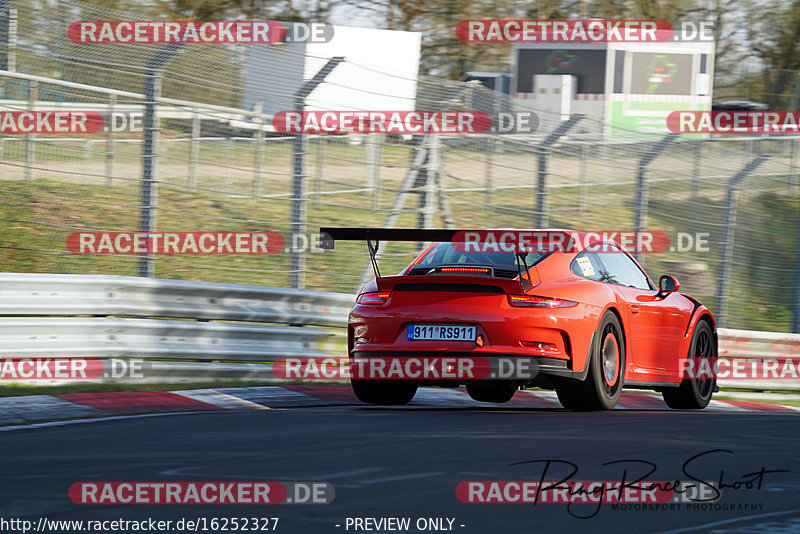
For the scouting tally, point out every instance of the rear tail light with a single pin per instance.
(532, 301)
(377, 297)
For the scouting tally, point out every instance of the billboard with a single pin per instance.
(588, 65)
(661, 74)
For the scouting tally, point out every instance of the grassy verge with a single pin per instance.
(37, 217)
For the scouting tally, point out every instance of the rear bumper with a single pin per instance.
(559, 338)
(531, 369)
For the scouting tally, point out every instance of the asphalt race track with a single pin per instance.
(407, 462)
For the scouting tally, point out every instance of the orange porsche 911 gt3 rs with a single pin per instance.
(583, 316)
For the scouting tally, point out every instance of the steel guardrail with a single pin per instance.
(70, 294)
(108, 316)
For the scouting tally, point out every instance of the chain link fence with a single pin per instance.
(219, 165)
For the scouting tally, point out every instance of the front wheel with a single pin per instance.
(603, 385)
(695, 393)
(384, 392)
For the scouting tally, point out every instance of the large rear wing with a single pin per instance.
(373, 237)
(329, 236)
(497, 240)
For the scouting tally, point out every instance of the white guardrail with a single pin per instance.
(62, 315)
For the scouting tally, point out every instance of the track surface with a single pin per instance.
(407, 462)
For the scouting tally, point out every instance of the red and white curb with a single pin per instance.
(33, 408)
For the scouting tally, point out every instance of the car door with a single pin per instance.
(657, 324)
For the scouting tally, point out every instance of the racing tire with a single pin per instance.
(496, 393)
(384, 392)
(695, 394)
(602, 387)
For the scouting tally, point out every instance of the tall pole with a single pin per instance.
(297, 263)
(149, 193)
(641, 182)
(728, 231)
(542, 209)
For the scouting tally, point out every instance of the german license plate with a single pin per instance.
(441, 332)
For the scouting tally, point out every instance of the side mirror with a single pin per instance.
(667, 284)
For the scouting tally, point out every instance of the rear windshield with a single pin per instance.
(504, 263)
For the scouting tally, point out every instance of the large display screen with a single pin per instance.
(661, 74)
(588, 65)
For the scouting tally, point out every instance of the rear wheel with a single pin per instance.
(498, 393)
(695, 394)
(603, 385)
(384, 392)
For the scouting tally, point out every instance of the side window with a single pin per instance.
(588, 266)
(611, 267)
(619, 269)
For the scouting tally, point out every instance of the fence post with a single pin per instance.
(149, 195)
(796, 300)
(321, 143)
(641, 183)
(432, 169)
(30, 148)
(194, 151)
(582, 192)
(374, 148)
(698, 156)
(227, 148)
(793, 168)
(11, 61)
(489, 178)
(149, 192)
(728, 232)
(87, 157)
(796, 296)
(259, 153)
(748, 153)
(112, 102)
(543, 150)
(297, 262)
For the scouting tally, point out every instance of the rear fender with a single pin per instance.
(700, 313)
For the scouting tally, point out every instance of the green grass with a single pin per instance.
(36, 217)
